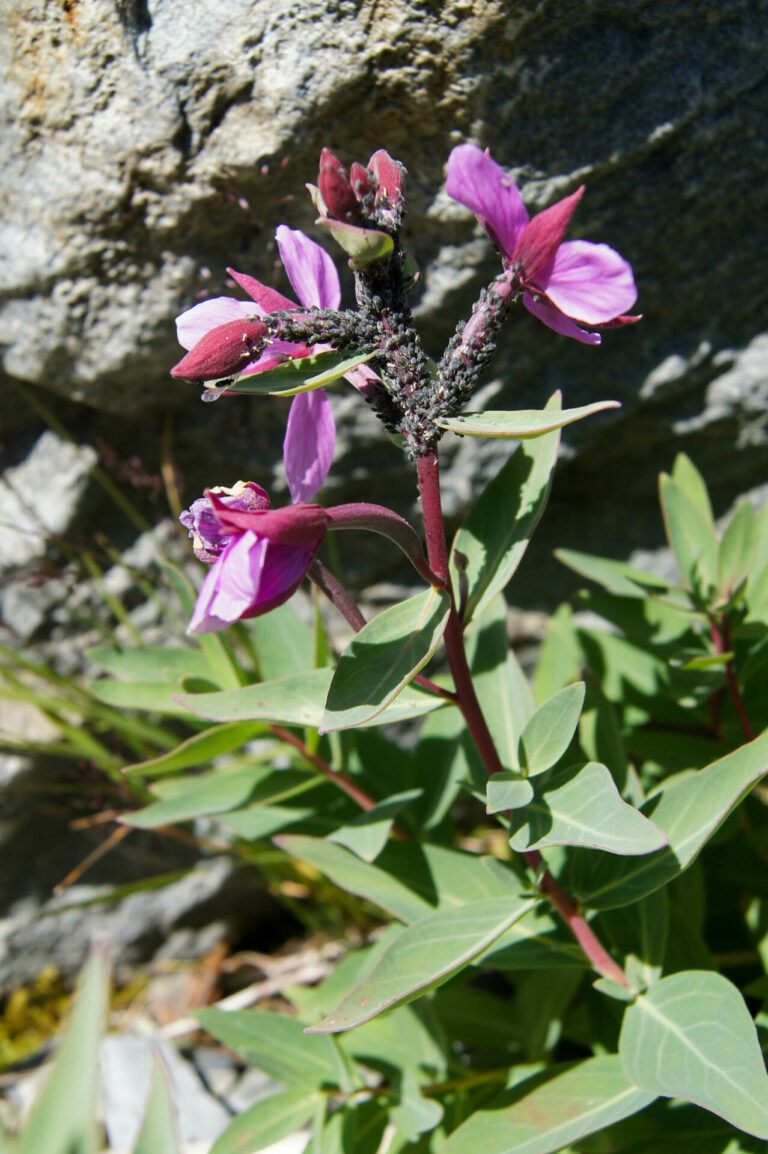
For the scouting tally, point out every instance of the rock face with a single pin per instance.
(144, 149)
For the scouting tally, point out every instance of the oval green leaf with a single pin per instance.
(507, 791)
(584, 1098)
(522, 424)
(582, 806)
(549, 731)
(691, 1036)
(275, 1044)
(425, 955)
(199, 748)
(383, 657)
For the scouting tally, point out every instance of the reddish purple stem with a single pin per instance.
(437, 552)
(721, 639)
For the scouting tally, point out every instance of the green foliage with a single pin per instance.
(626, 786)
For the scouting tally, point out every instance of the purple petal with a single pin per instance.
(310, 269)
(284, 567)
(310, 437)
(476, 180)
(589, 282)
(558, 321)
(192, 325)
(270, 299)
(231, 587)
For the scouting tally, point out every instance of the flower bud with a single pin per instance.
(360, 179)
(336, 189)
(223, 351)
(389, 175)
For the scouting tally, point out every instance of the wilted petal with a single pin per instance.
(231, 586)
(310, 269)
(589, 282)
(192, 325)
(270, 299)
(310, 437)
(558, 321)
(476, 180)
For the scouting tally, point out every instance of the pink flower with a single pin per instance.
(565, 284)
(258, 555)
(213, 328)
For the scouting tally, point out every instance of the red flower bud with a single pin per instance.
(336, 189)
(223, 351)
(390, 180)
(360, 179)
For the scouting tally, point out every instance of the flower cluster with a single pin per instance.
(259, 555)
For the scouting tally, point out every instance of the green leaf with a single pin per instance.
(199, 748)
(500, 683)
(299, 375)
(677, 1128)
(561, 1109)
(257, 822)
(691, 537)
(366, 834)
(738, 548)
(615, 576)
(410, 880)
(691, 1036)
(560, 656)
(425, 955)
(294, 700)
(275, 1044)
(498, 529)
(507, 791)
(266, 1122)
(383, 657)
(283, 642)
(444, 752)
(521, 424)
(63, 1120)
(582, 806)
(549, 731)
(154, 697)
(298, 699)
(687, 476)
(208, 793)
(689, 811)
(347, 871)
(158, 1134)
(150, 664)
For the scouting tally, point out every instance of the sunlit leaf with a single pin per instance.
(554, 1111)
(299, 375)
(521, 424)
(158, 1134)
(549, 731)
(426, 954)
(267, 1121)
(582, 806)
(691, 1036)
(383, 657)
(275, 1044)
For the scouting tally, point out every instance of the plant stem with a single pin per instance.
(721, 639)
(358, 795)
(437, 553)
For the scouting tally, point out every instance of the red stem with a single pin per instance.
(364, 800)
(437, 552)
(721, 639)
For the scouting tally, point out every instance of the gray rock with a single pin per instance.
(39, 498)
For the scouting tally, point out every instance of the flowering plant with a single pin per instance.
(543, 979)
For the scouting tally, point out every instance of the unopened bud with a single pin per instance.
(389, 175)
(336, 189)
(360, 179)
(223, 351)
